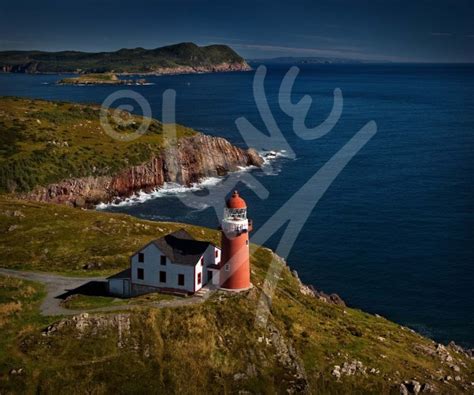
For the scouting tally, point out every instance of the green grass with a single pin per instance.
(77, 242)
(19, 315)
(83, 302)
(107, 78)
(166, 349)
(88, 302)
(43, 142)
(152, 298)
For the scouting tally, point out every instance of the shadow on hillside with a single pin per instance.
(92, 288)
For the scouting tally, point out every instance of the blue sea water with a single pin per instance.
(393, 234)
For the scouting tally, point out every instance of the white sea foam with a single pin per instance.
(270, 156)
(173, 189)
(142, 84)
(168, 189)
(269, 167)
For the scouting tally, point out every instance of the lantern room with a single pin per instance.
(235, 216)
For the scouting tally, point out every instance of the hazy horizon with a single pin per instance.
(346, 60)
(421, 31)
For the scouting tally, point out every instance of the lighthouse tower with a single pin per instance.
(235, 272)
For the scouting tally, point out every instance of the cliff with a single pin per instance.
(172, 59)
(59, 152)
(192, 160)
(312, 342)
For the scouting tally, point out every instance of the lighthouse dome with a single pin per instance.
(235, 201)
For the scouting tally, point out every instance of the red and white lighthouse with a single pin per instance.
(235, 228)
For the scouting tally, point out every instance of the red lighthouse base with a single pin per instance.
(235, 255)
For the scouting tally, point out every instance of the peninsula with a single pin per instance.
(173, 59)
(58, 152)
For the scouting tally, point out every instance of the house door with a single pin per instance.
(209, 276)
(126, 288)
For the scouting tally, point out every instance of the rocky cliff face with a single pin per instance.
(28, 67)
(218, 68)
(35, 67)
(191, 160)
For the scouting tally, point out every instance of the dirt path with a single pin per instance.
(57, 285)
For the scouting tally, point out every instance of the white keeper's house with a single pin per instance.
(178, 263)
(174, 263)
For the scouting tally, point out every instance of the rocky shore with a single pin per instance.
(218, 68)
(32, 68)
(191, 160)
(100, 79)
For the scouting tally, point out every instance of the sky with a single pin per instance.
(376, 30)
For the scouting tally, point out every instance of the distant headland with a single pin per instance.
(180, 58)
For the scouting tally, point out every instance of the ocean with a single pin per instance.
(394, 232)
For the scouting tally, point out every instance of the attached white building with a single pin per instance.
(175, 263)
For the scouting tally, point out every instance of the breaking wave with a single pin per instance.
(270, 159)
(173, 189)
(168, 189)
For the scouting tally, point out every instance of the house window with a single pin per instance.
(163, 260)
(141, 257)
(199, 278)
(140, 273)
(217, 253)
(181, 279)
(202, 261)
(227, 267)
(162, 277)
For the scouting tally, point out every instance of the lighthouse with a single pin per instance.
(235, 228)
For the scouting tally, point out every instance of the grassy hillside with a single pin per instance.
(136, 60)
(78, 242)
(43, 142)
(214, 347)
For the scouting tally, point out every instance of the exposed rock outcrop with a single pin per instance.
(33, 68)
(311, 291)
(289, 359)
(189, 161)
(28, 67)
(218, 68)
(414, 387)
(91, 324)
(349, 369)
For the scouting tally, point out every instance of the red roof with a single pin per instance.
(235, 201)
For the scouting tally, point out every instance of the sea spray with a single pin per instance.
(173, 189)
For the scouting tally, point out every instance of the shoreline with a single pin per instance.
(138, 74)
(196, 156)
(174, 189)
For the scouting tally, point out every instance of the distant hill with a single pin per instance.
(178, 58)
(306, 60)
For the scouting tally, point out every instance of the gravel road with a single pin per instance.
(58, 286)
